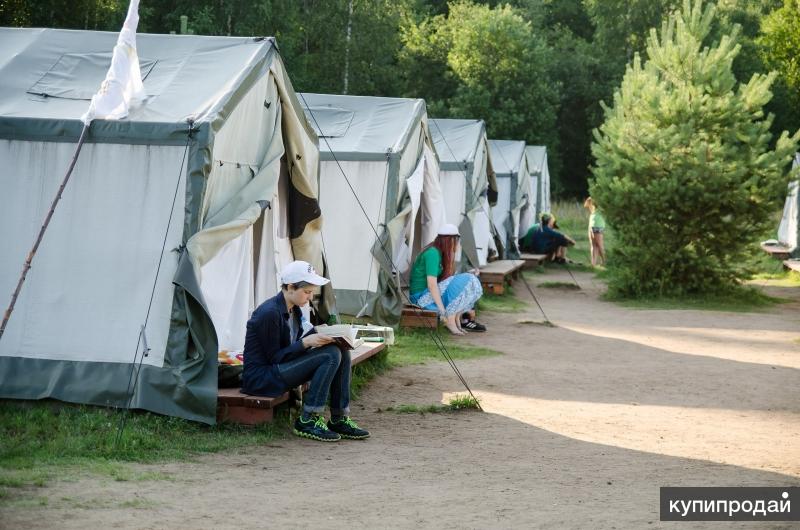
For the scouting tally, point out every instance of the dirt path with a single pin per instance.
(583, 423)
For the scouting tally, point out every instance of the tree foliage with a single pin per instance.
(534, 69)
(684, 168)
(495, 66)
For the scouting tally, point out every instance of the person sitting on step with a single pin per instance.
(434, 286)
(279, 355)
(545, 239)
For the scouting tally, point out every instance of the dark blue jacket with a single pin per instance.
(542, 239)
(267, 344)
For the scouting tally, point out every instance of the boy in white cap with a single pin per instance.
(278, 356)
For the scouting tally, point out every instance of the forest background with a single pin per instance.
(534, 70)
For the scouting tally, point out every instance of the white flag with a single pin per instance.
(123, 83)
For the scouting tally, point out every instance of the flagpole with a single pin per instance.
(27, 265)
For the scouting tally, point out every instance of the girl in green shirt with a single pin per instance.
(434, 287)
(597, 225)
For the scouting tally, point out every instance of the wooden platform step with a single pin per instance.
(792, 265)
(236, 407)
(533, 260)
(776, 251)
(497, 274)
(416, 317)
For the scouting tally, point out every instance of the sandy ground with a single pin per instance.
(582, 425)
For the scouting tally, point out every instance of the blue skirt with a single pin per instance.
(459, 294)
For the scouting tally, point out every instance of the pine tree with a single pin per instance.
(684, 171)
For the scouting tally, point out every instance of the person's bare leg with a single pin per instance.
(592, 248)
(601, 251)
(450, 323)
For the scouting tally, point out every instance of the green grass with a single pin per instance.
(459, 402)
(504, 303)
(366, 371)
(558, 285)
(42, 440)
(414, 346)
(742, 300)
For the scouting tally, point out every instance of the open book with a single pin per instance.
(344, 335)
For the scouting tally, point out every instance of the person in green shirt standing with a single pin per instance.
(434, 286)
(597, 226)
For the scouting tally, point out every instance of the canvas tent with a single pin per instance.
(540, 177)
(467, 181)
(246, 182)
(789, 228)
(515, 209)
(384, 148)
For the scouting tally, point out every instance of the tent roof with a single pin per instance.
(506, 156)
(537, 157)
(456, 141)
(355, 127)
(51, 74)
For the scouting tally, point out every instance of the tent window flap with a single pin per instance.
(78, 76)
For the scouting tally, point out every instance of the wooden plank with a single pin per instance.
(261, 402)
(533, 260)
(495, 275)
(369, 349)
(792, 265)
(244, 415)
(776, 251)
(503, 266)
(231, 396)
(415, 317)
(494, 287)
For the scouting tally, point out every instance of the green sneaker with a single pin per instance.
(347, 428)
(314, 428)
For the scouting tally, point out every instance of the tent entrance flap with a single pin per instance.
(227, 285)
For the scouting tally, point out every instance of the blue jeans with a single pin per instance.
(328, 368)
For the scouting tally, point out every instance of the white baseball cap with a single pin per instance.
(448, 229)
(301, 271)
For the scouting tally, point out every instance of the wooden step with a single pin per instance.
(236, 407)
(497, 274)
(416, 317)
(533, 260)
(362, 353)
(792, 265)
(776, 251)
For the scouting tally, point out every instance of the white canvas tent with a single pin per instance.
(789, 228)
(540, 177)
(515, 209)
(384, 148)
(222, 126)
(467, 180)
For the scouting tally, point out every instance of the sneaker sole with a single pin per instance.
(348, 437)
(312, 437)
